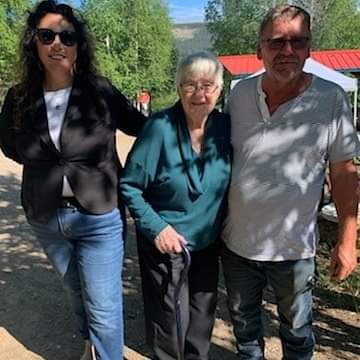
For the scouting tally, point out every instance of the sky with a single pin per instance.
(182, 11)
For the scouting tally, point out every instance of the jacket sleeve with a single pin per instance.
(7, 128)
(138, 175)
(127, 118)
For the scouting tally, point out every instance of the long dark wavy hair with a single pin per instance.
(30, 68)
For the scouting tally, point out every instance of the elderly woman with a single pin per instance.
(60, 123)
(174, 184)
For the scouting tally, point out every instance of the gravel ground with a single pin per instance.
(36, 322)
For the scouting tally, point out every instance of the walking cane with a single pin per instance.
(187, 261)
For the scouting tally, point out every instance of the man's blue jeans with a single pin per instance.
(87, 252)
(291, 282)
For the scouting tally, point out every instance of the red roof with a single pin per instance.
(340, 60)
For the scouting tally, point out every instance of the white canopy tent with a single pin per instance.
(311, 66)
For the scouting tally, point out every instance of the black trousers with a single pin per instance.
(160, 274)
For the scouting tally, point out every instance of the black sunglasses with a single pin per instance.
(47, 36)
(297, 43)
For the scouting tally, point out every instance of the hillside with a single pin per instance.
(191, 37)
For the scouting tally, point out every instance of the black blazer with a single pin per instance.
(88, 154)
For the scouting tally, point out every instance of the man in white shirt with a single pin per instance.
(286, 125)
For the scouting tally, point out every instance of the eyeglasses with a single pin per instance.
(191, 88)
(297, 43)
(47, 36)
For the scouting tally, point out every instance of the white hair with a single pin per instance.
(200, 63)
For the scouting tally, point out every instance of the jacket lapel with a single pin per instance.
(40, 121)
(71, 113)
(210, 154)
(73, 108)
(186, 154)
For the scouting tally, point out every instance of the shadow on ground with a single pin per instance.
(34, 310)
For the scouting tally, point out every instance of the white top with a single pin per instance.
(279, 165)
(56, 105)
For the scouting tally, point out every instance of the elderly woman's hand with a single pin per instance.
(169, 241)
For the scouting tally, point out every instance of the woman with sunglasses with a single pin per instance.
(175, 183)
(60, 123)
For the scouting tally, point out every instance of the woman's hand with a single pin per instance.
(169, 241)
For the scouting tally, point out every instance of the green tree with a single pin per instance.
(11, 20)
(338, 26)
(233, 24)
(134, 43)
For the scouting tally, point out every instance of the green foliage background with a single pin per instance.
(233, 24)
(135, 45)
(133, 40)
(11, 20)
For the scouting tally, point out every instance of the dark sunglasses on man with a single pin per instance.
(47, 36)
(297, 43)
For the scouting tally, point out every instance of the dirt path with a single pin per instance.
(36, 322)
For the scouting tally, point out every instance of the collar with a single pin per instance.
(197, 184)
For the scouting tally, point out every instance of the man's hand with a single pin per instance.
(344, 180)
(169, 241)
(343, 262)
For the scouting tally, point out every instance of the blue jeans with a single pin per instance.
(291, 282)
(87, 253)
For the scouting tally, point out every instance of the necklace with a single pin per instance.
(58, 99)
